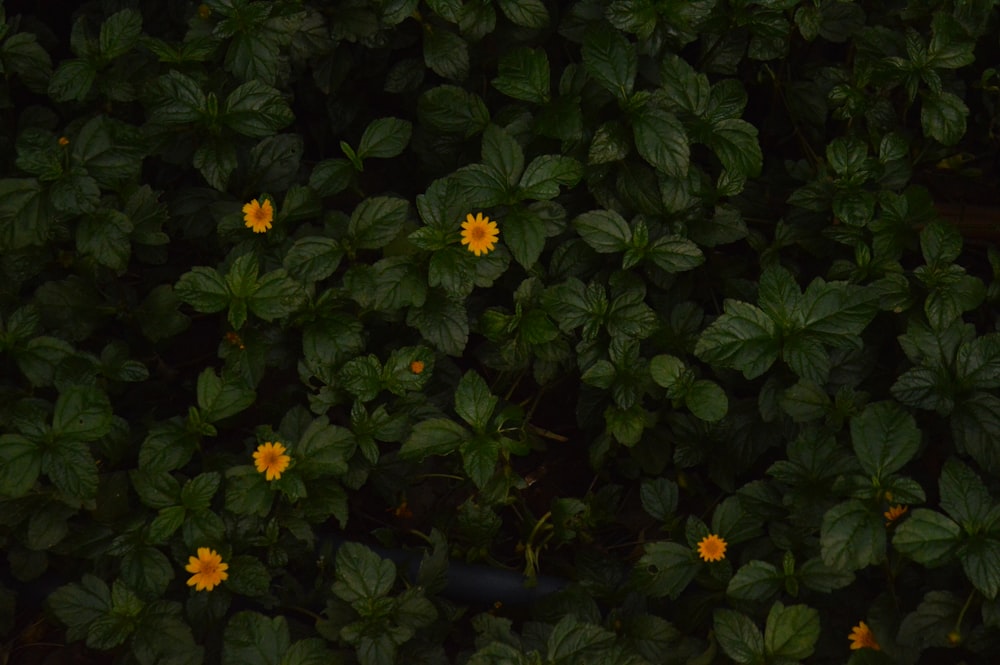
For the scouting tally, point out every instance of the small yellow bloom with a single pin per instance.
(479, 233)
(894, 513)
(258, 216)
(208, 569)
(271, 459)
(712, 548)
(417, 366)
(235, 340)
(63, 141)
(861, 638)
(204, 11)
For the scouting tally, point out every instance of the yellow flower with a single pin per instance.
(417, 366)
(258, 216)
(894, 513)
(204, 11)
(63, 141)
(712, 548)
(861, 638)
(208, 569)
(271, 459)
(479, 233)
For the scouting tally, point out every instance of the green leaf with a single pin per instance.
(119, 33)
(479, 458)
(571, 638)
(147, 570)
(204, 289)
(885, 438)
(253, 57)
(197, 493)
(442, 321)
(473, 401)
(940, 243)
(738, 636)
(220, 398)
(248, 576)
(75, 193)
(25, 213)
(331, 176)
(104, 235)
(437, 436)
(659, 497)
(980, 559)
(168, 446)
(446, 54)
(313, 258)
(757, 580)
(165, 524)
(735, 144)
(791, 632)
(523, 73)
(942, 117)
(852, 536)
(524, 235)
(927, 537)
(377, 221)
(817, 576)
(71, 467)
(964, 496)
(384, 138)
(611, 143)
(661, 140)
(666, 569)
(674, 254)
(324, 449)
(82, 413)
(744, 338)
(247, 492)
(253, 639)
(604, 230)
(276, 295)
(216, 159)
(361, 575)
(20, 464)
(707, 401)
(79, 605)
(686, 88)
(256, 110)
(180, 100)
(526, 13)
(545, 173)
(72, 80)
(451, 109)
(610, 60)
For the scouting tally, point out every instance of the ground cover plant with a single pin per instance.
(672, 326)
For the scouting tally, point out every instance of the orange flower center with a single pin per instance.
(478, 232)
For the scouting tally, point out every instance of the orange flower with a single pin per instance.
(417, 366)
(712, 548)
(204, 11)
(271, 459)
(479, 233)
(258, 216)
(861, 638)
(208, 569)
(63, 141)
(894, 513)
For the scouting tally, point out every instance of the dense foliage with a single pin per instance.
(688, 305)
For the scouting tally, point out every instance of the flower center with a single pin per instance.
(478, 233)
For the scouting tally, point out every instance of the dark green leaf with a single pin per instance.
(527, 13)
(738, 636)
(361, 575)
(220, 398)
(942, 117)
(377, 221)
(313, 258)
(451, 109)
(791, 632)
(964, 496)
(743, 338)
(927, 537)
(82, 414)
(443, 322)
(666, 569)
(661, 140)
(204, 289)
(735, 144)
(707, 401)
(544, 174)
(72, 80)
(438, 436)
(473, 401)
(523, 73)
(72, 468)
(257, 110)
(757, 580)
(885, 438)
(119, 33)
(446, 54)
(604, 230)
(659, 497)
(252, 638)
(571, 638)
(980, 559)
(385, 137)
(674, 254)
(479, 458)
(852, 536)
